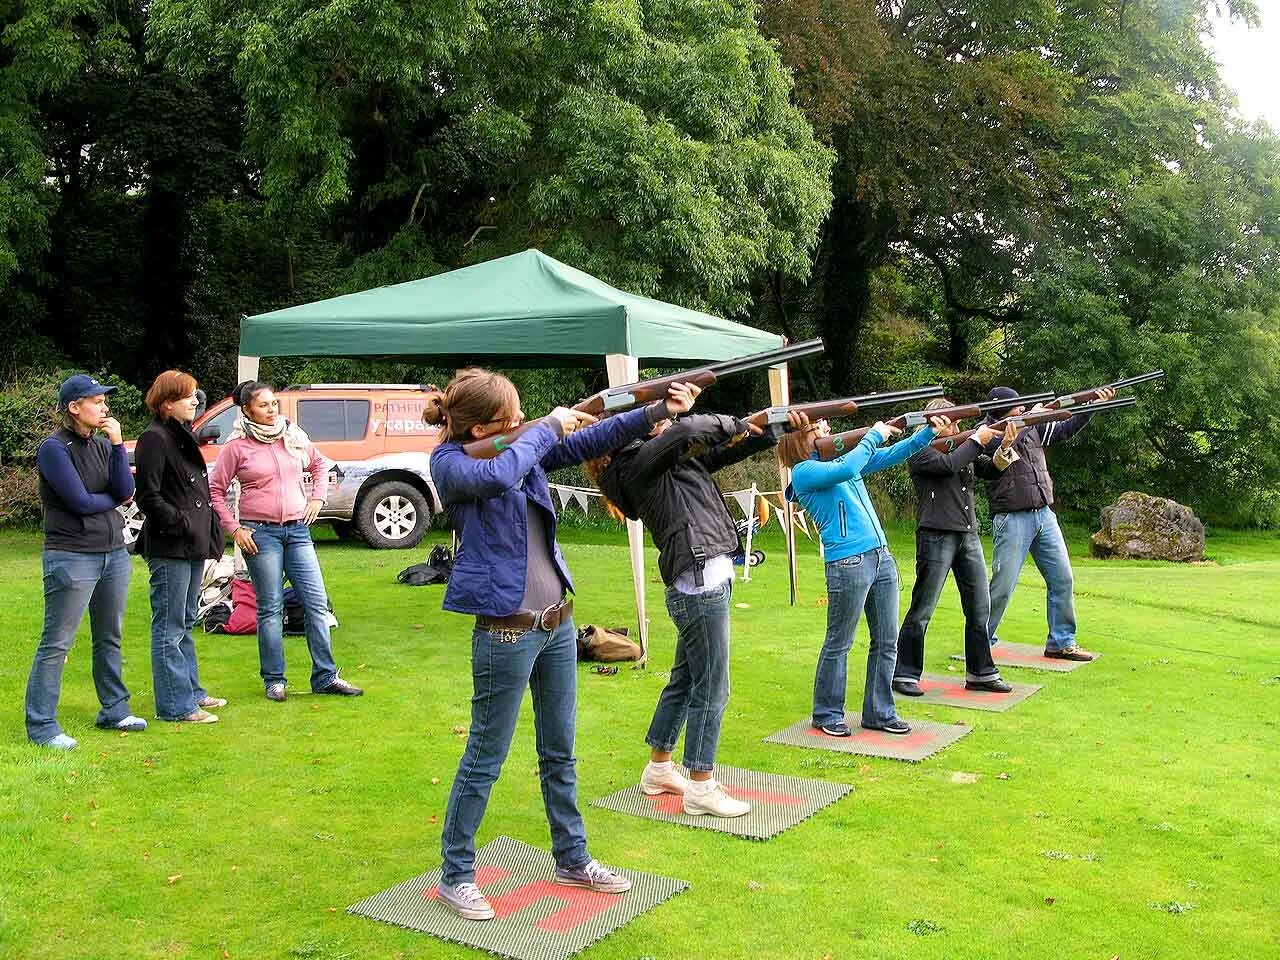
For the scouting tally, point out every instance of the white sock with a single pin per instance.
(660, 766)
(703, 786)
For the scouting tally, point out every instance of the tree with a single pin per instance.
(652, 143)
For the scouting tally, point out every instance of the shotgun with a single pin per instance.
(1085, 396)
(840, 443)
(830, 409)
(1031, 418)
(626, 397)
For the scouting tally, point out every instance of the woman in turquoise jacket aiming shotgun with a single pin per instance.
(861, 573)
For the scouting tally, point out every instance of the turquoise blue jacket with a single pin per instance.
(834, 496)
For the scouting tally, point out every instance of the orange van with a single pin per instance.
(380, 488)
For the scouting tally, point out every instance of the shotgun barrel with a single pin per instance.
(1084, 396)
(844, 407)
(625, 397)
(948, 444)
(841, 443)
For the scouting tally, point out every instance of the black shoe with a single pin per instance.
(991, 686)
(896, 725)
(908, 688)
(339, 687)
(837, 729)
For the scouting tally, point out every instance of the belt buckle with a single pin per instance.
(540, 621)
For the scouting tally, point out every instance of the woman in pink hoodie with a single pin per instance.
(267, 455)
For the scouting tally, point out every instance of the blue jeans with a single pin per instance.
(547, 664)
(939, 552)
(1035, 532)
(867, 582)
(288, 550)
(175, 597)
(698, 691)
(72, 583)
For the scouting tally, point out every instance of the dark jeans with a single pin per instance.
(545, 663)
(175, 597)
(288, 550)
(868, 581)
(74, 582)
(939, 552)
(698, 691)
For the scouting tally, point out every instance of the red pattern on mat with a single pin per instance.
(673, 803)
(580, 904)
(955, 690)
(910, 741)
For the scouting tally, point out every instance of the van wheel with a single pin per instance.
(393, 516)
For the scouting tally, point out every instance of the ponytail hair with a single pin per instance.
(795, 447)
(473, 397)
(246, 390)
(595, 469)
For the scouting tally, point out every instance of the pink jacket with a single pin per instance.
(270, 482)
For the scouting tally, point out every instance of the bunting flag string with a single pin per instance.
(745, 500)
(563, 494)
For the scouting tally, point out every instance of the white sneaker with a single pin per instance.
(708, 796)
(466, 900)
(662, 778)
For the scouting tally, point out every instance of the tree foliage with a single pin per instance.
(1043, 192)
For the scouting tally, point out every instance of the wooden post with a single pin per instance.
(780, 395)
(624, 368)
(751, 519)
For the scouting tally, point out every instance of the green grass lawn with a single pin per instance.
(1138, 819)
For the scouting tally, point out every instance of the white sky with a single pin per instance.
(1250, 61)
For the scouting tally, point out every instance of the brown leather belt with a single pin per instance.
(526, 620)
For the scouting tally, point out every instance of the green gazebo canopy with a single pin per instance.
(527, 305)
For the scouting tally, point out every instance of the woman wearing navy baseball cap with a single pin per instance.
(84, 476)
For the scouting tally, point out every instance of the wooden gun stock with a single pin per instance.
(949, 444)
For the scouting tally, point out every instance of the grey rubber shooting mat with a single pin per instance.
(777, 802)
(1027, 655)
(537, 918)
(949, 691)
(925, 739)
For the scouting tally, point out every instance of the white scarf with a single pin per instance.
(296, 442)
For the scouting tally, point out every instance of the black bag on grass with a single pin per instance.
(436, 570)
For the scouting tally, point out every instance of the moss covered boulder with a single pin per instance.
(1142, 527)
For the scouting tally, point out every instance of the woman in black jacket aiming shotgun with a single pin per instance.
(665, 481)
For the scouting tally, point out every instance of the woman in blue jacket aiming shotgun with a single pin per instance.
(861, 573)
(509, 574)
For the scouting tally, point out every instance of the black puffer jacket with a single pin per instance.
(173, 495)
(1025, 484)
(666, 482)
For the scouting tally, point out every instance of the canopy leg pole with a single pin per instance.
(751, 522)
(623, 368)
(780, 395)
